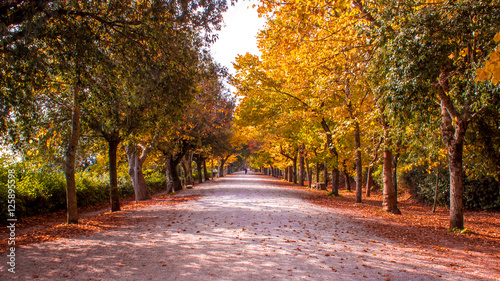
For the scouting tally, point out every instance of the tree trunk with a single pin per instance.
(389, 203)
(456, 187)
(395, 173)
(136, 174)
(190, 168)
(199, 166)
(335, 181)
(359, 167)
(347, 181)
(177, 185)
(205, 172)
(317, 172)
(221, 167)
(453, 129)
(286, 173)
(185, 171)
(309, 174)
(294, 171)
(331, 148)
(168, 172)
(325, 174)
(368, 181)
(71, 204)
(114, 194)
(453, 137)
(301, 165)
(206, 175)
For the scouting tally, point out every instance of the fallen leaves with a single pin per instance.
(49, 228)
(417, 224)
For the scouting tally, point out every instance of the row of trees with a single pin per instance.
(344, 82)
(136, 74)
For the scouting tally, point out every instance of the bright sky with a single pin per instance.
(239, 34)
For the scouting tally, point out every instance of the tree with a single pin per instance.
(316, 57)
(432, 56)
(135, 171)
(82, 36)
(61, 40)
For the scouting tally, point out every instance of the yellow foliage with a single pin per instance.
(491, 69)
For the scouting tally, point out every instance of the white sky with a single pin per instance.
(239, 34)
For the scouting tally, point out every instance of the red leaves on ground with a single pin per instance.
(417, 225)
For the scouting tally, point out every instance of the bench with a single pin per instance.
(319, 186)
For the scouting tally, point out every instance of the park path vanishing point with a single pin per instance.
(243, 227)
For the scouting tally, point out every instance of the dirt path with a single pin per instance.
(243, 227)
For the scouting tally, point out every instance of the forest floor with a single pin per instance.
(259, 228)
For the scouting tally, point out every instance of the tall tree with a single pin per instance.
(432, 56)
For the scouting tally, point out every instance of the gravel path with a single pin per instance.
(244, 227)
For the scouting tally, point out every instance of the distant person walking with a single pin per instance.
(246, 170)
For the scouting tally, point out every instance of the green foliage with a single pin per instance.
(332, 194)
(478, 193)
(461, 231)
(155, 180)
(41, 190)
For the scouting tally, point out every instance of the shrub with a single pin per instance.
(478, 193)
(43, 190)
(155, 180)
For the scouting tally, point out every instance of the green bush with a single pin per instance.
(43, 190)
(155, 180)
(91, 189)
(481, 194)
(478, 193)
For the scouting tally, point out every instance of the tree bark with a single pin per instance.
(325, 174)
(301, 165)
(71, 203)
(114, 194)
(189, 162)
(168, 171)
(294, 170)
(174, 162)
(176, 181)
(171, 163)
(185, 172)
(205, 172)
(333, 151)
(368, 181)
(453, 129)
(222, 161)
(389, 203)
(199, 166)
(335, 181)
(347, 180)
(395, 173)
(135, 172)
(317, 172)
(309, 174)
(359, 167)
(454, 137)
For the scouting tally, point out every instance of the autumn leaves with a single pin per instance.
(337, 76)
